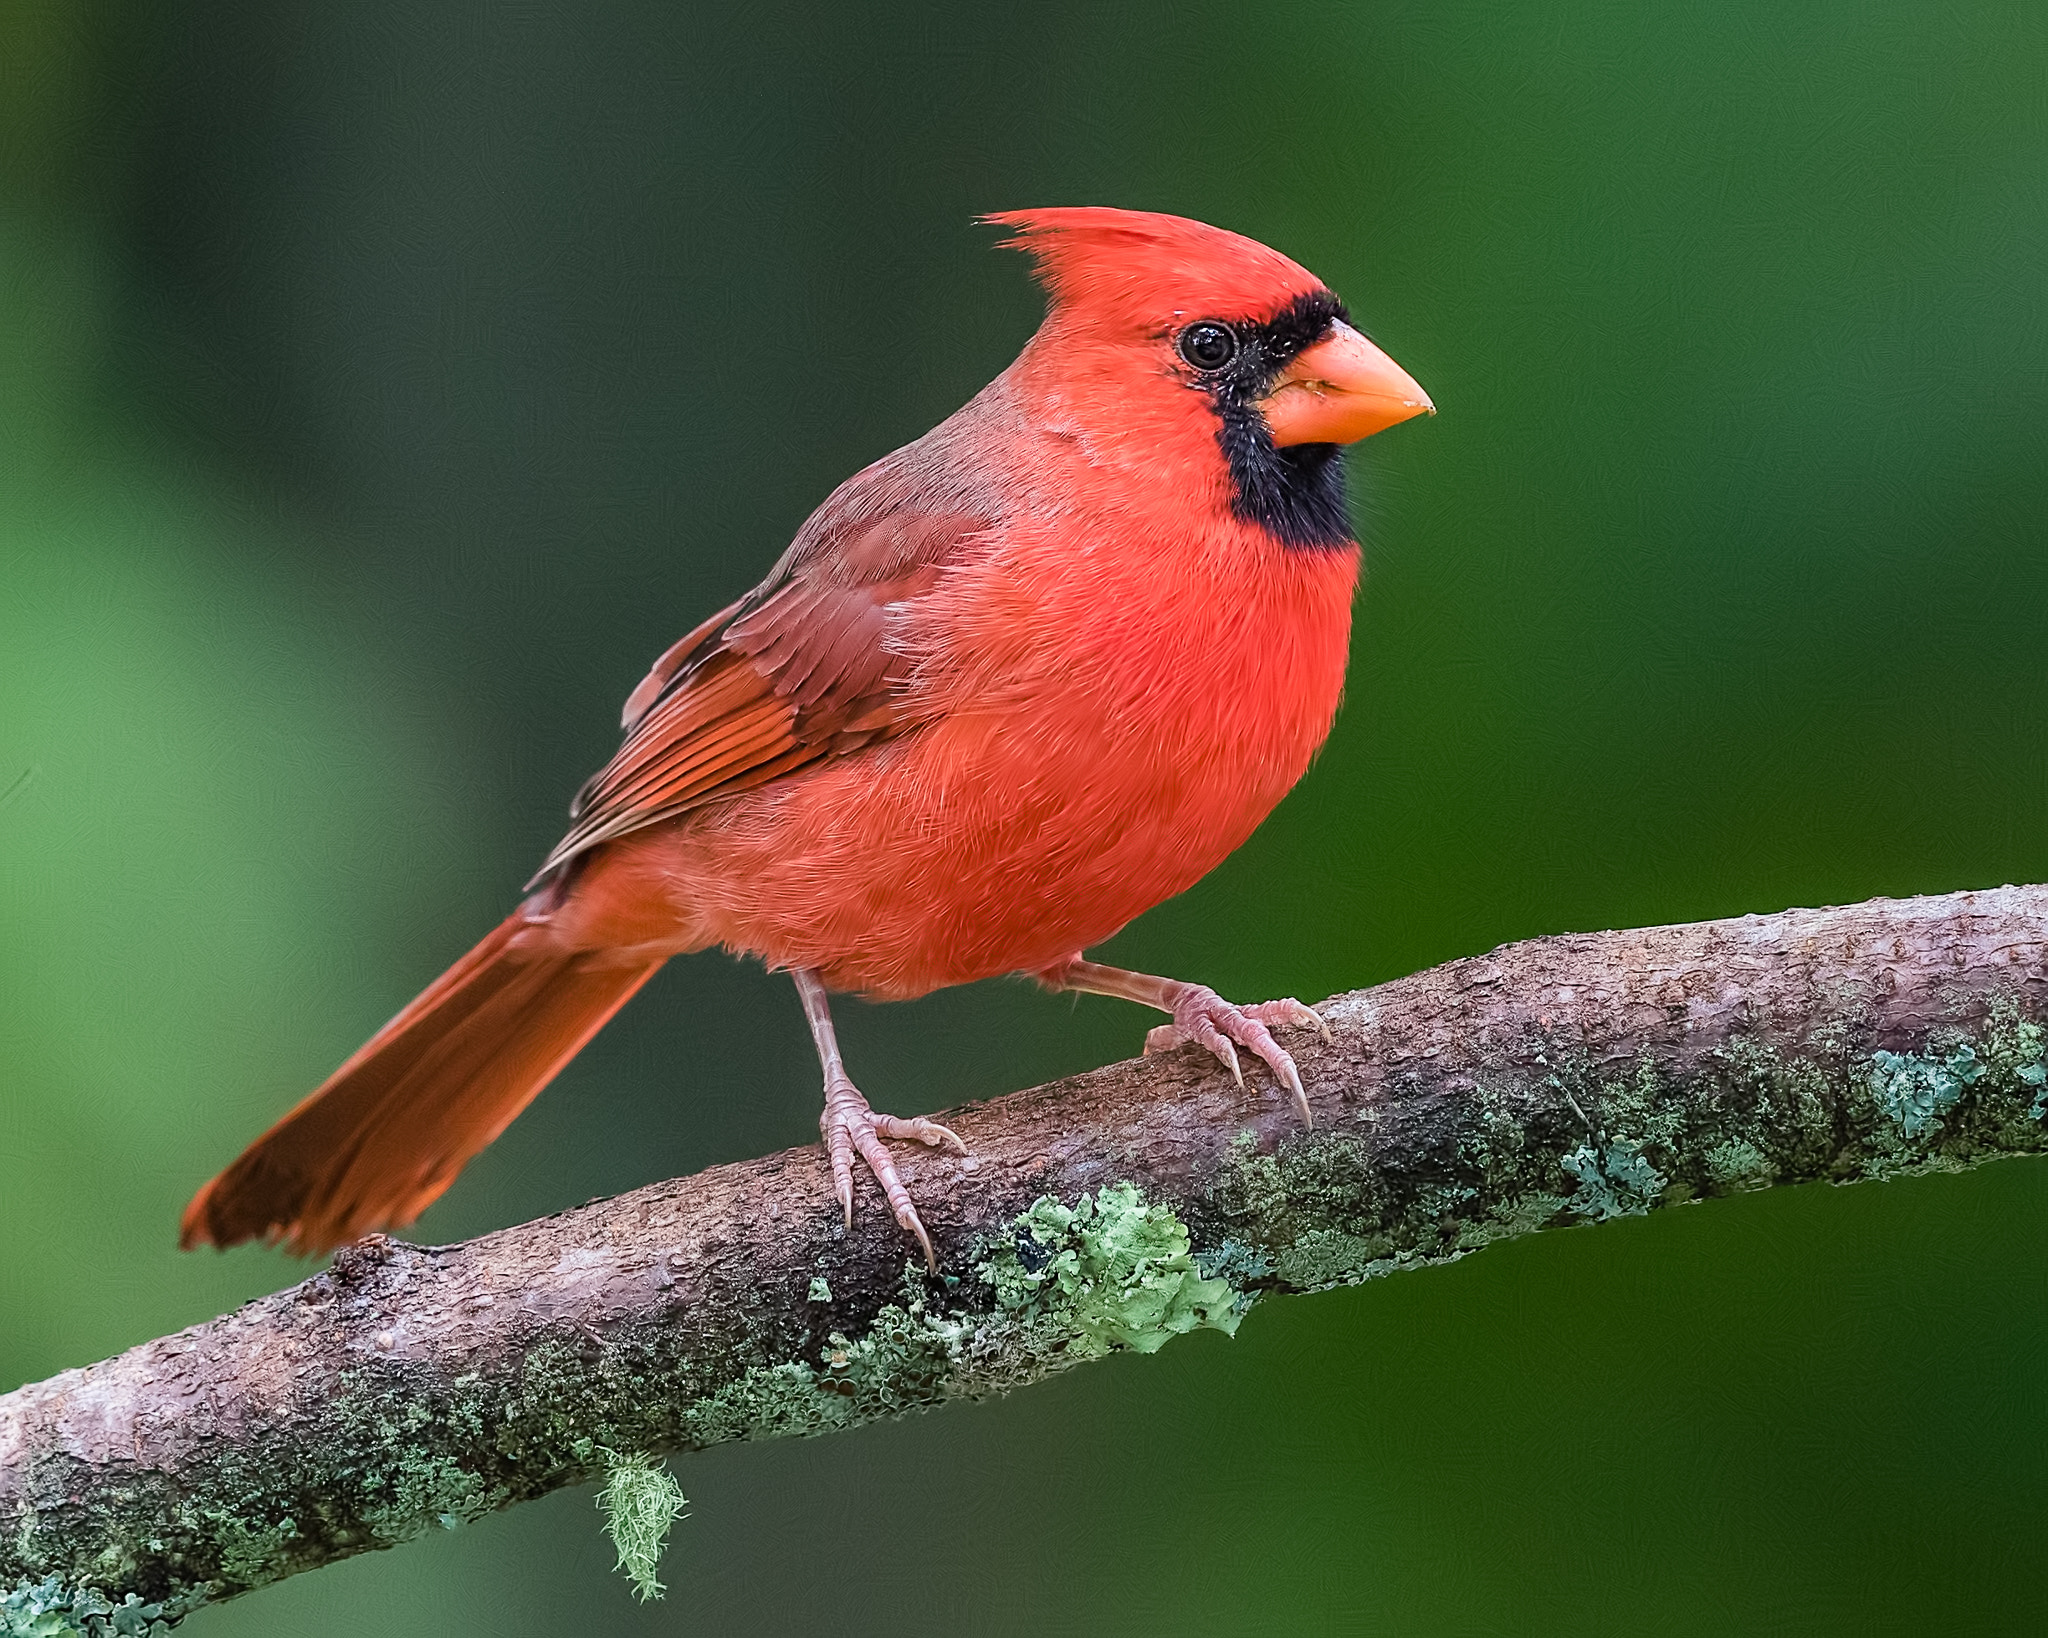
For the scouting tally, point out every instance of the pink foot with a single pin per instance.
(848, 1124)
(1202, 1016)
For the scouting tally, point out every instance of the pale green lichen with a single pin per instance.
(1114, 1270)
(1615, 1179)
(1638, 1102)
(764, 1402)
(1965, 1096)
(1240, 1265)
(1736, 1162)
(1630, 1115)
(429, 1487)
(1409, 1180)
(641, 1502)
(1916, 1090)
(1320, 1259)
(2017, 1048)
(1752, 1096)
(413, 1488)
(49, 1609)
(820, 1291)
(1069, 1284)
(248, 1549)
(909, 1357)
(1416, 1180)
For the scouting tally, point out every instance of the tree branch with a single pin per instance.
(1565, 1080)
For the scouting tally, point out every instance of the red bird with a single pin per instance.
(1009, 688)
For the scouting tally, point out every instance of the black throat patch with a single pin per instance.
(1295, 494)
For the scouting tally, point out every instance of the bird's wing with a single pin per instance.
(800, 669)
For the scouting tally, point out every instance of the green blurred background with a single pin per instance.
(383, 385)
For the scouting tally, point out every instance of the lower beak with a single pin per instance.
(1341, 390)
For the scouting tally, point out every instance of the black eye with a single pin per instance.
(1208, 345)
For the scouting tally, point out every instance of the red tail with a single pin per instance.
(376, 1145)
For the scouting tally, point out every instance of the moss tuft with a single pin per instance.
(640, 1502)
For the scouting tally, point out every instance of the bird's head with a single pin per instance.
(1282, 375)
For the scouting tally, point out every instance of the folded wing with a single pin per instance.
(802, 668)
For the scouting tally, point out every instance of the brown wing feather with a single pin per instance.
(678, 654)
(798, 670)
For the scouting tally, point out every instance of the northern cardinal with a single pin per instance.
(1010, 687)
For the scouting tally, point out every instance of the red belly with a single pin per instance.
(1006, 838)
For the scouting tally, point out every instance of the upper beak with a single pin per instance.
(1341, 390)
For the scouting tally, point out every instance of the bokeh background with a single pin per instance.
(382, 385)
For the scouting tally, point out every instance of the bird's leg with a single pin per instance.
(848, 1124)
(1199, 1015)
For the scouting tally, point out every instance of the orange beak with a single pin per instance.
(1341, 390)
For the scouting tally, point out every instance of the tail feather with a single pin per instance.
(389, 1130)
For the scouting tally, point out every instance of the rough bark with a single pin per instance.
(1560, 1081)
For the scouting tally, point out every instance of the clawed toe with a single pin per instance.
(850, 1127)
(1290, 1011)
(1203, 1017)
(919, 1130)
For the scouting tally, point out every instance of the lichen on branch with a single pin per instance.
(1564, 1081)
(1056, 1286)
